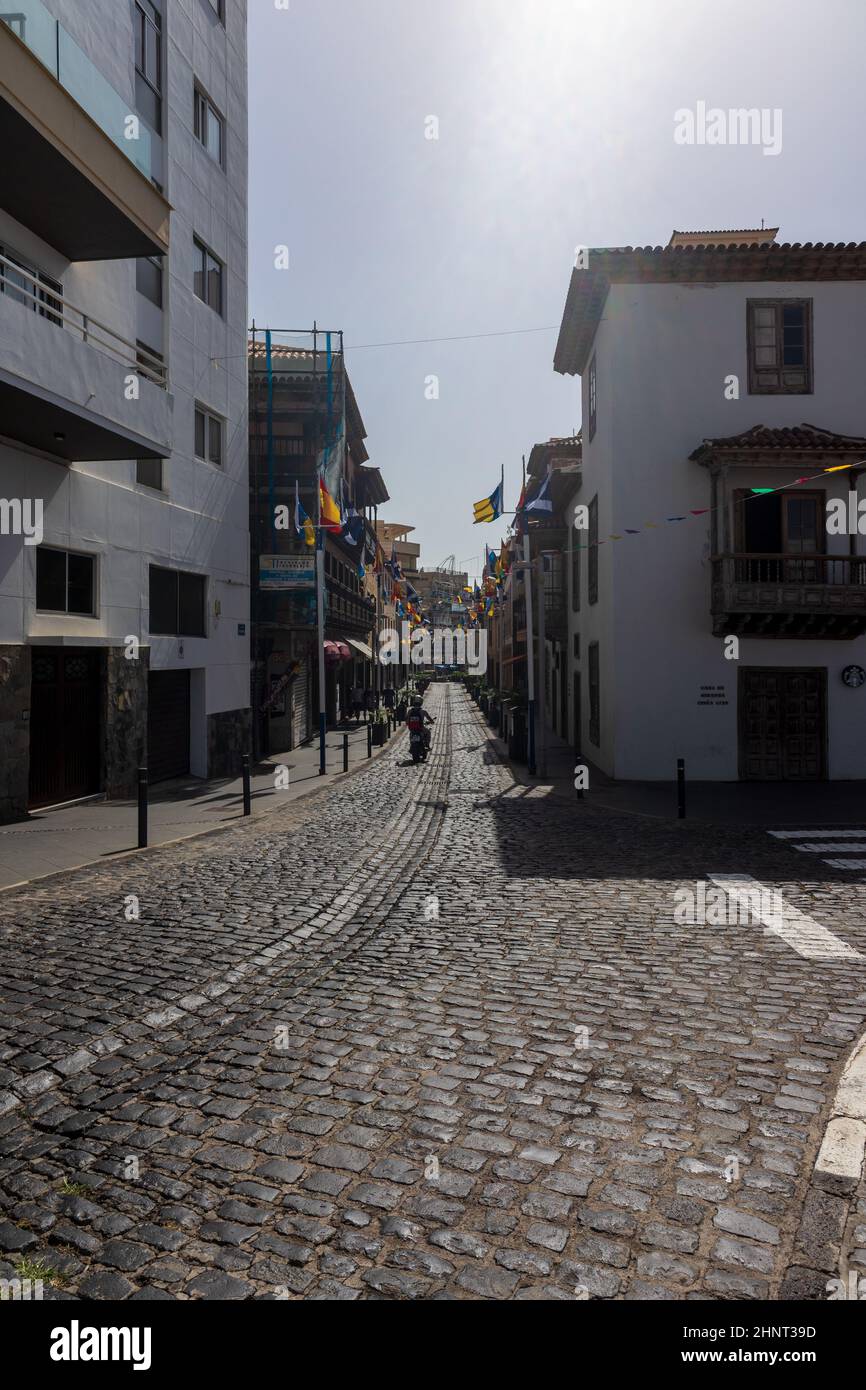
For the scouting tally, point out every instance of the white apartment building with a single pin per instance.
(712, 368)
(124, 633)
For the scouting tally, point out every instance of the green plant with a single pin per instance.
(40, 1269)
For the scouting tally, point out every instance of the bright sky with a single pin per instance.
(556, 121)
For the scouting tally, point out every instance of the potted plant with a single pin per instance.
(379, 728)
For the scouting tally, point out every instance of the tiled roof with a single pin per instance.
(791, 438)
(707, 264)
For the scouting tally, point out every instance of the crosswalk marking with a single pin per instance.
(806, 936)
(845, 846)
(819, 834)
(850, 842)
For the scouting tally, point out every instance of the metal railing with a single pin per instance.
(838, 571)
(25, 287)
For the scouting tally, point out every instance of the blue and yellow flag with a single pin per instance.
(490, 508)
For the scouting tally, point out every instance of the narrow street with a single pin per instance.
(426, 1034)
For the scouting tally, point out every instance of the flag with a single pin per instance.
(394, 563)
(541, 502)
(330, 512)
(490, 507)
(303, 525)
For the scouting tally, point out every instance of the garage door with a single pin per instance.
(167, 725)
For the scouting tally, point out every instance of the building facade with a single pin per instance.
(124, 624)
(300, 398)
(714, 614)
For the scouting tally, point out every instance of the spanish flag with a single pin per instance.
(330, 512)
(490, 508)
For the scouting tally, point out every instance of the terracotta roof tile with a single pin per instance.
(795, 437)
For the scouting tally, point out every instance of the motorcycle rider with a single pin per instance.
(416, 718)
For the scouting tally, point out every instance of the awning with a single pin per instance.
(336, 651)
(361, 647)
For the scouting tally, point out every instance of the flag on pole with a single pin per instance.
(330, 512)
(490, 507)
(303, 525)
(541, 502)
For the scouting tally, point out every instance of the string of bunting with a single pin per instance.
(705, 511)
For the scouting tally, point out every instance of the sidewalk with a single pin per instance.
(49, 842)
(768, 804)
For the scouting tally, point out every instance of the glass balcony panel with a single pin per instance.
(107, 108)
(34, 26)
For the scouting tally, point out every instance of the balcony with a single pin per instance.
(76, 159)
(817, 596)
(65, 379)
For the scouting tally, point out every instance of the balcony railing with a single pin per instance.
(789, 595)
(840, 571)
(60, 54)
(23, 286)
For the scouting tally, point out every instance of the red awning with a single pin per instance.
(337, 651)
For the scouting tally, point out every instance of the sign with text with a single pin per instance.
(287, 572)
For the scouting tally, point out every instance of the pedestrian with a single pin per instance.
(356, 701)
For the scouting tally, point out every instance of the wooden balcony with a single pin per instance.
(818, 596)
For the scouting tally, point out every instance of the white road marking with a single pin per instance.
(818, 834)
(846, 863)
(837, 846)
(807, 937)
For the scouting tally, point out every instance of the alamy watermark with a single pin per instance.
(22, 516)
(736, 126)
(441, 647)
(707, 905)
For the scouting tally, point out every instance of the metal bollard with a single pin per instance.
(369, 740)
(142, 808)
(681, 789)
(345, 752)
(245, 773)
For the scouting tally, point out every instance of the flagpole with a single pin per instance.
(320, 603)
(530, 642)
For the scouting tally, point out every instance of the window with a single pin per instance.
(780, 346)
(149, 473)
(593, 397)
(576, 541)
(208, 280)
(23, 283)
(177, 603)
(594, 696)
(148, 62)
(148, 278)
(209, 126)
(592, 552)
(64, 582)
(209, 429)
(576, 646)
(151, 363)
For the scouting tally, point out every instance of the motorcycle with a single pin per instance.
(418, 745)
(419, 742)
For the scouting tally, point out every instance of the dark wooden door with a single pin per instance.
(64, 724)
(782, 724)
(167, 725)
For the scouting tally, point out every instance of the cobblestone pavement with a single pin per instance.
(427, 1034)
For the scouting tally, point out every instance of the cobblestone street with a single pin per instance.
(429, 1033)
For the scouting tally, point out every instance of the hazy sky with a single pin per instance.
(556, 121)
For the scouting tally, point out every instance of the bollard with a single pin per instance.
(681, 789)
(245, 773)
(369, 740)
(345, 752)
(142, 808)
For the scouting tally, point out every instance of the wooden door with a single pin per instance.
(782, 724)
(64, 724)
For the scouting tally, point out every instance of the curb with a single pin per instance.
(818, 1259)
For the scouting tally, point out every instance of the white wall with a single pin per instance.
(663, 379)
